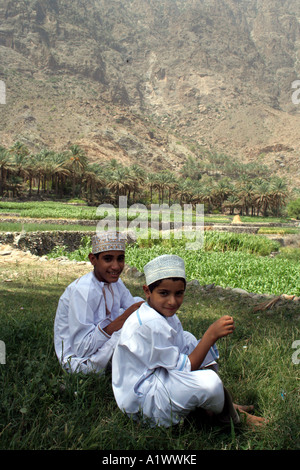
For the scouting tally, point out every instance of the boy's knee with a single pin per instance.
(215, 383)
(215, 392)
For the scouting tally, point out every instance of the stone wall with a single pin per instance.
(42, 243)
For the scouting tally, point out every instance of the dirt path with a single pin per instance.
(12, 254)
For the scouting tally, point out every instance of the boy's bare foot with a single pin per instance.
(254, 420)
(243, 407)
(250, 419)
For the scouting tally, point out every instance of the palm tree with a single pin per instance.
(60, 171)
(18, 153)
(192, 168)
(232, 202)
(48, 168)
(17, 165)
(19, 149)
(246, 193)
(234, 169)
(93, 178)
(29, 170)
(166, 180)
(171, 184)
(39, 159)
(4, 164)
(217, 164)
(151, 183)
(185, 191)
(77, 163)
(262, 196)
(118, 181)
(113, 164)
(196, 197)
(221, 191)
(137, 176)
(208, 197)
(279, 193)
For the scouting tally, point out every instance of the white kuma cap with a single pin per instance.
(163, 267)
(107, 241)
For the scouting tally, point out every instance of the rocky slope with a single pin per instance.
(152, 81)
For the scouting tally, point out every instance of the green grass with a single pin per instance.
(231, 269)
(48, 209)
(278, 231)
(264, 220)
(53, 209)
(290, 253)
(227, 260)
(43, 408)
(34, 227)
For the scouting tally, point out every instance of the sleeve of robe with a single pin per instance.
(86, 335)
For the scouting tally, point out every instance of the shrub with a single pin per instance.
(293, 209)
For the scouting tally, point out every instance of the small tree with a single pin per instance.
(293, 209)
(4, 162)
(77, 163)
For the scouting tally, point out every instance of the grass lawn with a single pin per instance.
(41, 407)
(33, 227)
(62, 210)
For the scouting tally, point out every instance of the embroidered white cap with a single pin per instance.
(163, 267)
(108, 241)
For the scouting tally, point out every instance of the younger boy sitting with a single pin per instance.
(159, 371)
(92, 310)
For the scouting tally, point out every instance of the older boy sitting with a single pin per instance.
(93, 308)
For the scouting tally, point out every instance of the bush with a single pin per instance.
(81, 254)
(253, 273)
(293, 209)
(220, 242)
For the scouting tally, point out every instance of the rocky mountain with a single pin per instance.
(153, 81)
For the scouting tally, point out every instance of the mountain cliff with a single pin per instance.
(153, 81)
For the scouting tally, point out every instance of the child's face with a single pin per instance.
(167, 297)
(108, 266)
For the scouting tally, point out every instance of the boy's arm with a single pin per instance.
(222, 327)
(117, 324)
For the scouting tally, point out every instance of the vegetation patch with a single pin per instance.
(229, 261)
(278, 231)
(34, 227)
(210, 179)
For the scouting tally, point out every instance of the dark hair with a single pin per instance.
(156, 283)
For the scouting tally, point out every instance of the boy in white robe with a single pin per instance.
(159, 371)
(93, 308)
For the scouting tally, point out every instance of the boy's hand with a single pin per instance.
(222, 327)
(132, 309)
(119, 321)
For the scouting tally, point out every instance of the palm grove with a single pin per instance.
(215, 181)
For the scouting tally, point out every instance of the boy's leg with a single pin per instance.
(236, 413)
(229, 412)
